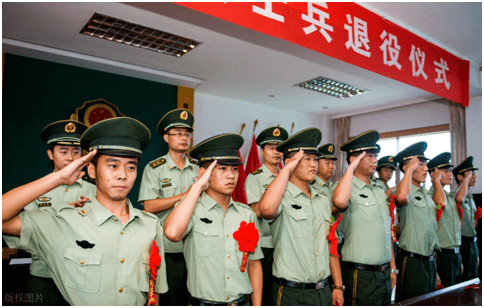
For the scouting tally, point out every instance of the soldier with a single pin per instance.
(98, 255)
(368, 266)
(326, 169)
(448, 260)
(166, 181)
(465, 177)
(255, 185)
(418, 225)
(385, 168)
(207, 220)
(63, 139)
(302, 262)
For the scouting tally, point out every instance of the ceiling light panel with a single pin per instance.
(117, 30)
(332, 87)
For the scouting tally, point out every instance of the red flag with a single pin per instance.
(253, 162)
(239, 193)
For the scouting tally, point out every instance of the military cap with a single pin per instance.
(121, 136)
(387, 161)
(176, 118)
(66, 132)
(464, 166)
(327, 151)
(306, 140)
(414, 150)
(272, 135)
(440, 161)
(363, 142)
(223, 148)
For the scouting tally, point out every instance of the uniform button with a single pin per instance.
(387, 248)
(206, 233)
(227, 298)
(167, 189)
(183, 187)
(169, 167)
(228, 256)
(315, 235)
(67, 190)
(297, 218)
(122, 232)
(366, 203)
(317, 255)
(267, 175)
(122, 260)
(228, 235)
(319, 274)
(419, 205)
(228, 277)
(387, 233)
(144, 212)
(81, 262)
(120, 290)
(182, 172)
(315, 217)
(115, 219)
(83, 212)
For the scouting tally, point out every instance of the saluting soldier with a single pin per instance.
(255, 185)
(465, 177)
(99, 254)
(448, 259)
(385, 169)
(207, 220)
(300, 220)
(368, 264)
(418, 225)
(166, 181)
(63, 140)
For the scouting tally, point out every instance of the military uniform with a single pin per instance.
(418, 239)
(367, 249)
(468, 249)
(163, 179)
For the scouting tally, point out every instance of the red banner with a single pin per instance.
(353, 34)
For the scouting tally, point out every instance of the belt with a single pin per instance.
(200, 302)
(301, 285)
(416, 255)
(453, 250)
(469, 239)
(366, 267)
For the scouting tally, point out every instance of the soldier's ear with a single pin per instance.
(50, 154)
(91, 170)
(165, 136)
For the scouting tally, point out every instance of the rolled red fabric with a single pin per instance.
(333, 239)
(392, 209)
(460, 210)
(154, 262)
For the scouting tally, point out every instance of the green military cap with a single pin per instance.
(327, 151)
(176, 118)
(363, 142)
(306, 140)
(414, 150)
(272, 135)
(66, 132)
(440, 161)
(223, 148)
(464, 166)
(121, 136)
(387, 161)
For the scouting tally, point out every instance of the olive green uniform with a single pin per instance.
(93, 258)
(212, 254)
(255, 185)
(301, 250)
(367, 249)
(417, 243)
(163, 179)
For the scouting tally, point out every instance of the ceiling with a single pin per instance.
(235, 62)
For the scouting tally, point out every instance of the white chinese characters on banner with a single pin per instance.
(357, 36)
(320, 21)
(267, 11)
(440, 69)
(390, 49)
(417, 57)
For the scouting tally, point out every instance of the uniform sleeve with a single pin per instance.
(161, 285)
(150, 185)
(257, 254)
(252, 189)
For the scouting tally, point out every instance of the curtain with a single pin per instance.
(457, 128)
(342, 130)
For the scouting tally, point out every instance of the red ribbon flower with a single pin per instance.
(460, 211)
(247, 237)
(392, 209)
(440, 208)
(477, 215)
(155, 261)
(333, 239)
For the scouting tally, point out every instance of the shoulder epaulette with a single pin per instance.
(157, 162)
(244, 205)
(256, 171)
(193, 161)
(89, 180)
(150, 214)
(311, 183)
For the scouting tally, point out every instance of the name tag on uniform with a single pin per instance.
(166, 185)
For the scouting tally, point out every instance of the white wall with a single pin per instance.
(474, 138)
(216, 115)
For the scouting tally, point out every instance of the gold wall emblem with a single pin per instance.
(70, 127)
(276, 132)
(330, 148)
(184, 115)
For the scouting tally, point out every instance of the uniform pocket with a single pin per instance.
(368, 210)
(299, 221)
(205, 239)
(168, 189)
(83, 269)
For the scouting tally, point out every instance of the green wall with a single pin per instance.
(36, 93)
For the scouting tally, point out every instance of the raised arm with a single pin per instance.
(342, 192)
(439, 195)
(463, 188)
(403, 189)
(176, 223)
(160, 205)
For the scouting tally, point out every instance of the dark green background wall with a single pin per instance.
(36, 93)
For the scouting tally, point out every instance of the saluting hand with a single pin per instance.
(294, 161)
(203, 181)
(72, 172)
(436, 175)
(352, 166)
(412, 165)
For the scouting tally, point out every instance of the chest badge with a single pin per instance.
(206, 220)
(44, 199)
(418, 198)
(295, 206)
(166, 180)
(363, 196)
(85, 244)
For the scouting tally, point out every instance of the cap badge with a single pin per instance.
(330, 148)
(276, 132)
(184, 115)
(390, 159)
(70, 127)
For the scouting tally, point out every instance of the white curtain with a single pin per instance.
(457, 128)
(342, 130)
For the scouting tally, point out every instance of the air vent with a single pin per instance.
(331, 87)
(117, 30)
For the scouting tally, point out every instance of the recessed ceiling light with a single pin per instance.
(113, 29)
(332, 87)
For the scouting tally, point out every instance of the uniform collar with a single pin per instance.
(415, 189)
(102, 214)
(209, 203)
(360, 184)
(171, 164)
(296, 191)
(320, 180)
(266, 171)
